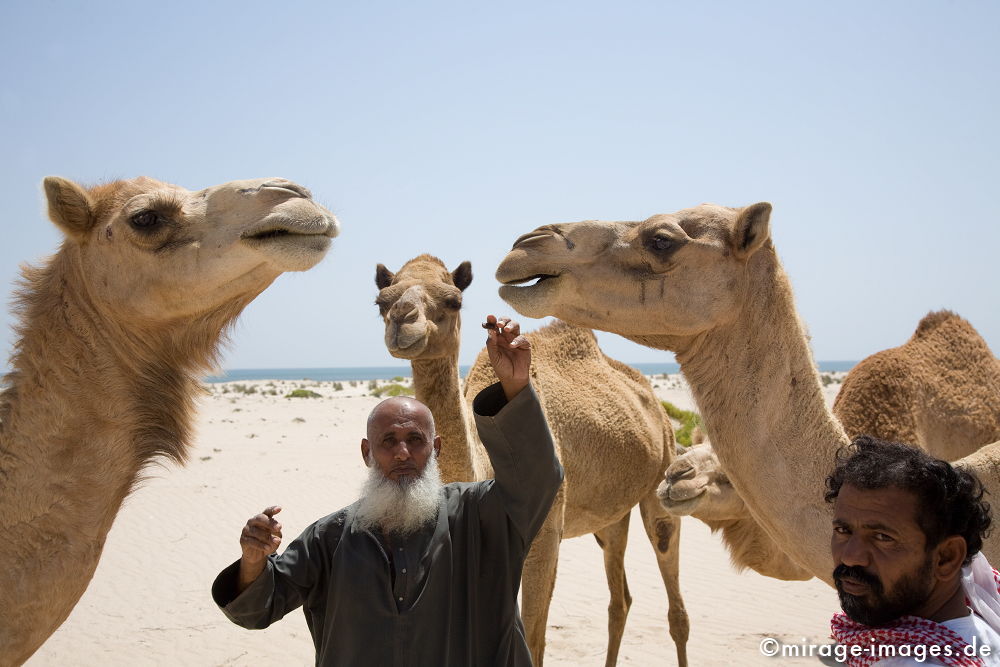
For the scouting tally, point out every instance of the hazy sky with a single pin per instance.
(454, 127)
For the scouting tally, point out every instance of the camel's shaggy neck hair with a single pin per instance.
(758, 390)
(89, 402)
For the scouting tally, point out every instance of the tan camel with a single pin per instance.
(115, 331)
(943, 380)
(706, 283)
(940, 391)
(612, 435)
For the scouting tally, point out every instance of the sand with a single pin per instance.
(149, 601)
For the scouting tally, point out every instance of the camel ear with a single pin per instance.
(383, 276)
(462, 276)
(753, 228)
(70, 206)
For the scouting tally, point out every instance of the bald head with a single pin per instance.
(399, 409)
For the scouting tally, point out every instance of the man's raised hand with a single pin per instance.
(509, 352)
(260, 538)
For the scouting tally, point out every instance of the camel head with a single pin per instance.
(695, 484)
(672, 274)
(153, 252)
(420, 305)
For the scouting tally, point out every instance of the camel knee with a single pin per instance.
(664, 529)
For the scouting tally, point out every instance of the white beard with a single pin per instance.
(400, 507)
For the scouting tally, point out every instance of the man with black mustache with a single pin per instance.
(415, 572)
(907, 534)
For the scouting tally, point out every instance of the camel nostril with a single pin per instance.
(537, 235)
(288, 186)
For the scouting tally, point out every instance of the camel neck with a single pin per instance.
(758, 390)
(85, 408)
(437, 385)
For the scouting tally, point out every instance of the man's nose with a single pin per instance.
(854, 552)
(402, 452)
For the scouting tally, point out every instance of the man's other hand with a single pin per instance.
(260, 538)
(510, 354)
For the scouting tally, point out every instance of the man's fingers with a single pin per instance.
(265, 522)
(521, 343)
(272, 510)
(261, 533)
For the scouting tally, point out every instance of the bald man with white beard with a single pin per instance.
(415, 572)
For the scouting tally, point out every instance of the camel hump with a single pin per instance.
(934, 320)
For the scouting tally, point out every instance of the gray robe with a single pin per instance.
(448, 594)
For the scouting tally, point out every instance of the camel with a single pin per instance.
(115, 331)
(612, 436)
(939, 391)
(944, 380)
(706, 283)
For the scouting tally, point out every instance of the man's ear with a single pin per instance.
(383, 276)
(462, 276)
(753, 228)
(365, 451)
(70, 207)
(437, 446)
(950, 554)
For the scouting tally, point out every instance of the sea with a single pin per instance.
(347, 373)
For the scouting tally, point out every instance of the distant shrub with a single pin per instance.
(826, 379)
(338, 386)
(687, 419)
(303, 393)
(398, 378)
(372, 385)
(392, 390)
(245, 389)
(354, 383)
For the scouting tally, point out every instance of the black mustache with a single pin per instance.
(858, 574)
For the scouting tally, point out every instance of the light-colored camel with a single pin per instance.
(944, 380)
(612, 436)
(706, 283)
(115, 331)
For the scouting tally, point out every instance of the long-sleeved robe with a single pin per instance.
(448, 594)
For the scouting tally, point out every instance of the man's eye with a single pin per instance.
(840, 530)
(882, 537)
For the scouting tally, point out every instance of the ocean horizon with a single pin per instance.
(348, 373)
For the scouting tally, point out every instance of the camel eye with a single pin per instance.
(661, 243)
(146, 221)
(453, 304)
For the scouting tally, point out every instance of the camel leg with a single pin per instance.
(538, 578)
(664, 532)
(613, 539)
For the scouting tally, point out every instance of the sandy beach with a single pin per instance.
(149, 601)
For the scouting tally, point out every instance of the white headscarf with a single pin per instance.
(980, 583)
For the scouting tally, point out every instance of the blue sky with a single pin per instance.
(454, 127)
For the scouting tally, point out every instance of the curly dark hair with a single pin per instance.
(950, 499)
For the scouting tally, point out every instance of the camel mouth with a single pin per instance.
(530, 281)
(679, 501)
(279, 229)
